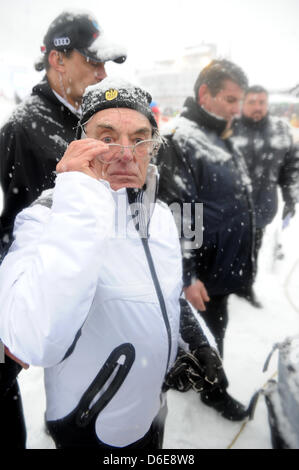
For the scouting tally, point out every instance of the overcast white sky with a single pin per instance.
(262, 36)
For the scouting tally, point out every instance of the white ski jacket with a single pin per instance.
(76, 289)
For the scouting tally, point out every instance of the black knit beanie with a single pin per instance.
(115, 93)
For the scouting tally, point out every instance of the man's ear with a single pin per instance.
(56, 60)
(202, 93)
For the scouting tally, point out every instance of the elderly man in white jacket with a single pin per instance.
(91, 286)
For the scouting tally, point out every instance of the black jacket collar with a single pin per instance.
(43, 88)
(193, 111)
(256, 125)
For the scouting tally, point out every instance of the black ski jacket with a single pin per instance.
(198, 165)
(272, 160)
(32, 141)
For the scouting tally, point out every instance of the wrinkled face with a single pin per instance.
(79, 74)
(255, 106)
(226, 104)
(125, 127)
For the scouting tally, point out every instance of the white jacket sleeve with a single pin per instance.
(49, 277)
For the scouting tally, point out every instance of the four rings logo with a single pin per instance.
(62, 41)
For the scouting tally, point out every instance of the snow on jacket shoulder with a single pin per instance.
(32, 141)
(77, 296)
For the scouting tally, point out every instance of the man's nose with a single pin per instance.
(100, 72)
(127, 153)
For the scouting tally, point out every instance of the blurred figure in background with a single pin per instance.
(272, 160)
(34, 139)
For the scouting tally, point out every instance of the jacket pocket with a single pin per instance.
(116, 368)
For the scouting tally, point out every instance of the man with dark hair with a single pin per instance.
(34, 139)
(272, 160)
(200, 164)
(214, 75)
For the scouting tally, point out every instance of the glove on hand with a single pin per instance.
(185, 366)
(211, 365)
(201, 370)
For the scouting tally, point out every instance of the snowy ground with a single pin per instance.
(250, 337)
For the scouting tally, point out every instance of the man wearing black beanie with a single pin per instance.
(93, 294)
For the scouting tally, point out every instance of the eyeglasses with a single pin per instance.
(141, 150)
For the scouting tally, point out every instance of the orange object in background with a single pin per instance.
(294, 121)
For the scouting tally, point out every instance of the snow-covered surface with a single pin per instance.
(188, 131)
(104, 49)
(250, 336)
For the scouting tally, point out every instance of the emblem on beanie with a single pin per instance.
(111, 94)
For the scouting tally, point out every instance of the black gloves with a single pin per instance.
(201, 369)
(210, 362)
(190, 330)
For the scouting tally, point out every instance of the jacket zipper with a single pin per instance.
(142, 227)
(159, 294)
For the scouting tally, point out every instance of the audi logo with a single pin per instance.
(62, 41)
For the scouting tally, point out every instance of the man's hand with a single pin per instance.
(81, 155)
(197, 295)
